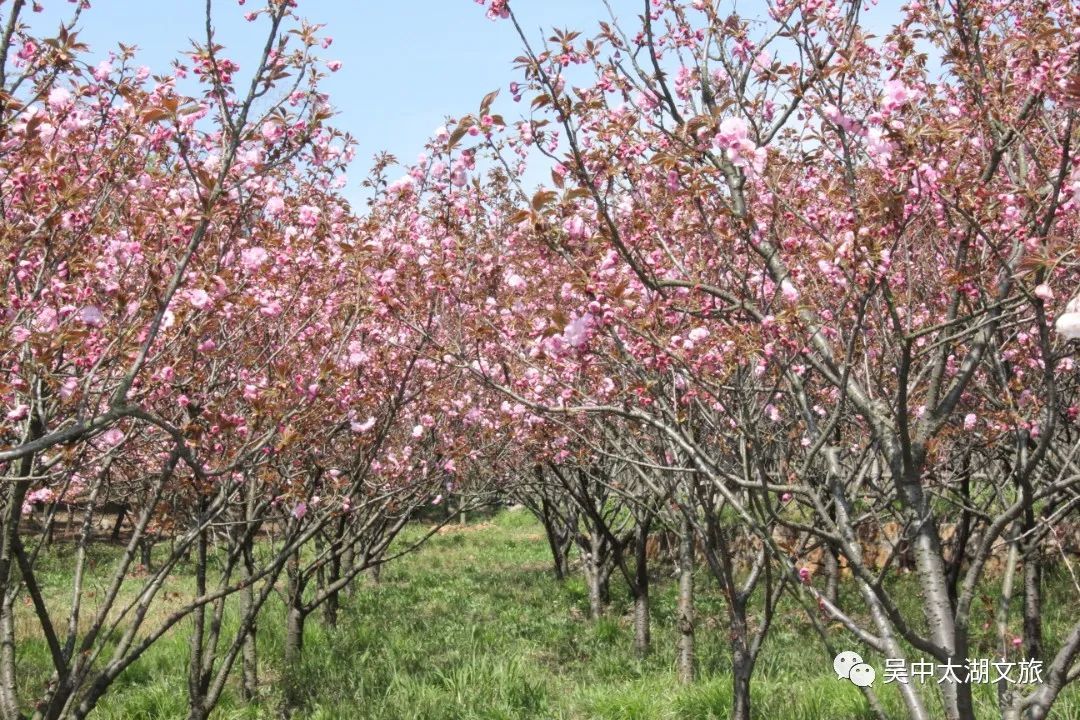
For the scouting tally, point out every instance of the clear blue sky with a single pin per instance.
(406, 65)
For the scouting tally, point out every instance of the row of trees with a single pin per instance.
(194, 330)
(790, 286)
(798, 283)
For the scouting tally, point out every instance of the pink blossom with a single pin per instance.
(789, 291)
(417, 431)
(199, 298)
(308, 215)
(878, 147)
(41, 495)
(68, 387)
(578, 331)
(402, 184)
(334, 65)
(60, 98)
(253, 258)
(1043, 292)
(300, 510)
(20, 334)
(103, 70)
(112, 436)
(804, 575)
(251, 392)
(969, 421)
(358, 427)
(28, 50)
(19, 412)
(733, 130)
(357, 355)
(272, 131)
(698, 334)
(46, 320)
(92, 316)
(734, 137)
(897, 94)
(574, 227)
(786, 497)
(274, 206)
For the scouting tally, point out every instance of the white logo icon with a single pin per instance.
(850, 666)
(843, 663)
(862, 675)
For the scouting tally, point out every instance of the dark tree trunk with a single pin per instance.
(197, 680)
(292, 687)
(249, 688)
(559, 543)
(119, 524)
(348, 560)
(146, 546)
(295, 617)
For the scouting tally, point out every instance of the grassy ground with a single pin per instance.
(474, 627)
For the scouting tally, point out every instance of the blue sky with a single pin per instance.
(406, 65)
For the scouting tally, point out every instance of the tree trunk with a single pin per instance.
(330, 605)
(295, 616)
(641, 591)
(641, 622)
(292, 687)
(685, 611)
(250, 663)
(930, 570)
(348, 560)
(197, 681)
(119, 524)
(596, 578)
(146, 559)
(16, 490)
(740, 687)
(832, 574)
(559, 555)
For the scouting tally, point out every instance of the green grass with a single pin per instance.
(474, 627)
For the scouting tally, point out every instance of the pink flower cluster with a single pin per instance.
(498, 10)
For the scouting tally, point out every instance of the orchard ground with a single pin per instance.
(473, 625)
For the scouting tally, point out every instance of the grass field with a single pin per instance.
(473, 626)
